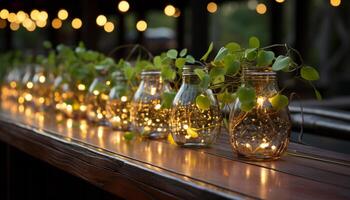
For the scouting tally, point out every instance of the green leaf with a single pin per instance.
(279, 101)
(247, 97)
(180, 62)
(216, 71)
(221, 54)
(233, 47)
(128, 135)
(190, 59)
(218, 79)
(202, 102)
(205, 56)
(231, 65)
(226, 97)
(172, 53)
(47, 44)
(191, 132)
(183, 52)
(281, 63)
(251, 54)
(254, 42)
(167, 99)
(129, 72)
(205, 81)
(157, 61)
(168, 74)
(200, 73)
(318, 94)
(265, 58)
(309, 73)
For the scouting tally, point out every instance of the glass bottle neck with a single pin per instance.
(262, 80)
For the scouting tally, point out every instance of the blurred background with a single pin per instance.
(319, 29)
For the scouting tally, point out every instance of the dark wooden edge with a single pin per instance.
(115, 174)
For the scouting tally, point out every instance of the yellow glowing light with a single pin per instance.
(62, 14)
(21, 100)
(14, 26)
(12, 17)
(13, 84)
(77, 23)
(42, 16)
(81, 87)
(264, 145)
(123, 6)
(335, 3)
(101, 20)
(157, 107)
(141, 25)
(3, 23)
(261, 8)
(108, 27)
(273, 147)
(30, 85)
(212, 7)
(169, 10)
(124, 98)
(27, 23)
(21, 16)
(177, 13)
(34, 14)
(31, 28)
(82, 108)
(69, 123)
(279, 1)
(96, 92)
(41, 100)
(4, 13)
(41, 24)
(69, 108)
(56, 23)
(28, 97)
(42, 79)
(21, 108)
(260, 101)
(108, 82)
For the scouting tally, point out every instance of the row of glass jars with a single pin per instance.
(260, 134)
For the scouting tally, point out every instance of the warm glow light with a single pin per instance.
(21, 16)
(77, 23)
(14, 26)
(31, 28)
(56, 23)
(12, 17)
(335, 3)
(62, 14)
(4, 13)
(34, 14)
(169, 10)
(177, 13)
(42, 79)
(81, 87)
(212, 7)
(261, 8)
(141, 25)
(101, 20)
(28, 97)
(108, 27)
(279, 1)
(43, 16)
(260, 101)
(96, 92)
(124, 98)
(30, 85)
(41, 24)
(27, 23)
(123, 6)
(82, 108)
(108, 82)
(3, 23)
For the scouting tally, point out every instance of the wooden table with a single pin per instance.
(143, 169)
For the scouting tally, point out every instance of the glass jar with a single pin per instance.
(190, 125)
(263, 132)
(42, 85)
(26, 92)
(97, 99)
(118, 106)
(147, 115)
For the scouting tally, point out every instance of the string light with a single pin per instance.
(62, 14)
(21, 16)
(335, 3)
(3, 23)
(141, 25)
(41, 24)
(34, 14)
(12, 17)
(279, 1)
(4, 13)
(123, 6)
(31, 28)
(212, 7)
(108, 27)
(42, 16)
(14, 26)
(101, 20)
(261, 8)
(27, 23)
(77, 23)
(56, 23)
(169, 10)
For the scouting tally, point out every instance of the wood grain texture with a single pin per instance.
(157, 170)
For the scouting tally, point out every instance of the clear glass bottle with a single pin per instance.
(147, 115)
(263, 132)
(97, 99)
(118, 106)
(42, 85)
(191, 126)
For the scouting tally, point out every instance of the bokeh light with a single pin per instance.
(101, 20)
(108, 27)
(212, 7)
(141, 25)
(3, 23)
(123, 6)
(77, 23)
(62, 14)
(56, 23)
(169, 10)
(14, 26)
(261, 8)
(4, 13)
(335, 3)
(34, 14)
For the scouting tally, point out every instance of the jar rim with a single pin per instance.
(150, 72)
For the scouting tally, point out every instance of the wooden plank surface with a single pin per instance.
(156, 169)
